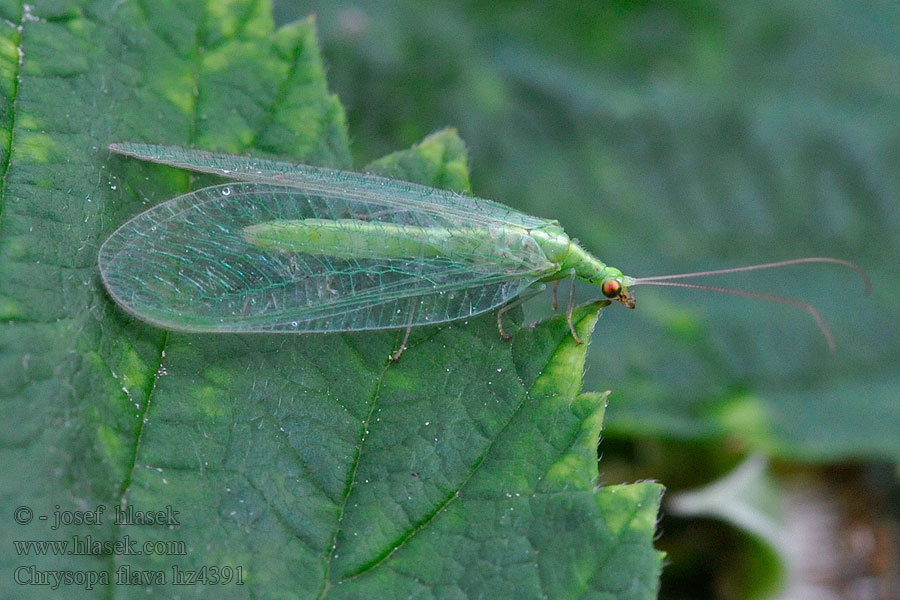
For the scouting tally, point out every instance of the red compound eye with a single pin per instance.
(611, 288)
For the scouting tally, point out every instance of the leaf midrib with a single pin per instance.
(405, 537)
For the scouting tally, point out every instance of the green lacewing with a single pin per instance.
(288, 248)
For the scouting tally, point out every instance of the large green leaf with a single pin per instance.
(468, 469)
(673, 137)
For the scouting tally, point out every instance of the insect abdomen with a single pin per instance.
(353, 238)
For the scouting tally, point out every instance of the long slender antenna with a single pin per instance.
(772, 265)
(809, 308)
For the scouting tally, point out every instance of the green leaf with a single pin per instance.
(439, 161)
(312, 463)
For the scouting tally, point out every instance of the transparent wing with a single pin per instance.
(318, 179)
(186, 265)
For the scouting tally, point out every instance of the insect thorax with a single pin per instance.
(567, 254)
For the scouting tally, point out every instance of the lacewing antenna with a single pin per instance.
(771, 265)
(668, 281)
(809, 308)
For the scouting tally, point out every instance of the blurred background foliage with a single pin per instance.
(670, 137)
